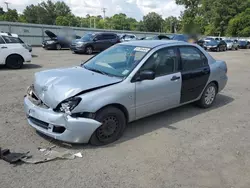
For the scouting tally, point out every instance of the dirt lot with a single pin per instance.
(186, 147)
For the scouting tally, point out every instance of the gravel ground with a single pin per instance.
(185, 147)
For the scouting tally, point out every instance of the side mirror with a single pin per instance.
(146, 75)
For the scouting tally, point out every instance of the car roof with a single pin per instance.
(152, 43)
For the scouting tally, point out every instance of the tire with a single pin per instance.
(14, 62)
(208, 97)
(89, 50)
(218, 49)
(236, 48)
(112, 128)
(58, 47)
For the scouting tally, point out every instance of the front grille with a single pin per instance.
(39, 123)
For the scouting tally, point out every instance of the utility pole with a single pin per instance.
(104, 11)
(7, 4)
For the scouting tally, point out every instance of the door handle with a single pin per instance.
(206, 70)
(175, 78)
(4, 47)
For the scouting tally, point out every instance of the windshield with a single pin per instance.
(117, 61)
(87, 37)
(212, 42)
(228, 41)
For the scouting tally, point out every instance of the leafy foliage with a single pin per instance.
(209, 17)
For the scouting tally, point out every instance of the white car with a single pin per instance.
(13, 51)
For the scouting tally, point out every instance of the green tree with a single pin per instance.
(239, 26)
(11, 15)
(1, 11)
(153, 22)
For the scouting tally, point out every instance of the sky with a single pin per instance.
(132, 8)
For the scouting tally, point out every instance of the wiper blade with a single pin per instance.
(95, 70)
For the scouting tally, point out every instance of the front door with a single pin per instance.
(163, 92)
(195, 73)
(3, 51)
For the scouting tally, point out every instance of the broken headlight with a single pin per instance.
(68, 105)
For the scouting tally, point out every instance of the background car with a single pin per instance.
(244, 44)
(127, 37)
(215, 45)
(95, 42)
(13, 51)
(157, 37)
(180, 37)
(58, 42)
(231, 45)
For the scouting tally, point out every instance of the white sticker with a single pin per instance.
(125, 72)
(140, 49)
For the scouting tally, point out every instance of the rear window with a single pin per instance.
(12, 40)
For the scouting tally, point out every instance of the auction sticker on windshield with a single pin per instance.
(140, 49)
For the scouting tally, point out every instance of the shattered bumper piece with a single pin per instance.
(59, 125)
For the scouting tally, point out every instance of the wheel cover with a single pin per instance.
(89, 50)
(109, 129)
(210, 95)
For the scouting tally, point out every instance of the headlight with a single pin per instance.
(68, 105)
(50, 42)
(79, 44)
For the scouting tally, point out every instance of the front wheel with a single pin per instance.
(58, 47)
(208, 97)
(113, 125)
(14, 62)
(89, 50)
(218, 49)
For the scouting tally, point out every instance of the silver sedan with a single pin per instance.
(95, 101)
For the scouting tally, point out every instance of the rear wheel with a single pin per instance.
(113, 125)
(14, 62)
(208, 97)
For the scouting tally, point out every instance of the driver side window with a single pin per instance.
(162, 62)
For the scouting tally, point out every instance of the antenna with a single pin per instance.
(7, 4)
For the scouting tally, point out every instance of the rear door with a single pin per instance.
(163, 92)
(195, 72)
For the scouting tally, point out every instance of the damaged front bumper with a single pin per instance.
(59, 125)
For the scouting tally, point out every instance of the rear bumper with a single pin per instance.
(59, 125)
(222, 83)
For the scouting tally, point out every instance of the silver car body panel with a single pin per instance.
(138, 99)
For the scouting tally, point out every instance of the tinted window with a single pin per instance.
(9, 39)
(99, 37)
(192, 58)
(109, 36)
(162, 62)
(1, 40)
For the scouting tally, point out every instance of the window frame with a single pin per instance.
(198, 50)
(178, 67)
(1, 38)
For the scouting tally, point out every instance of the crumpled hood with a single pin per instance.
(54, 86)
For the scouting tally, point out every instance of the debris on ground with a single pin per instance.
(50, 155)
(11, 157)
